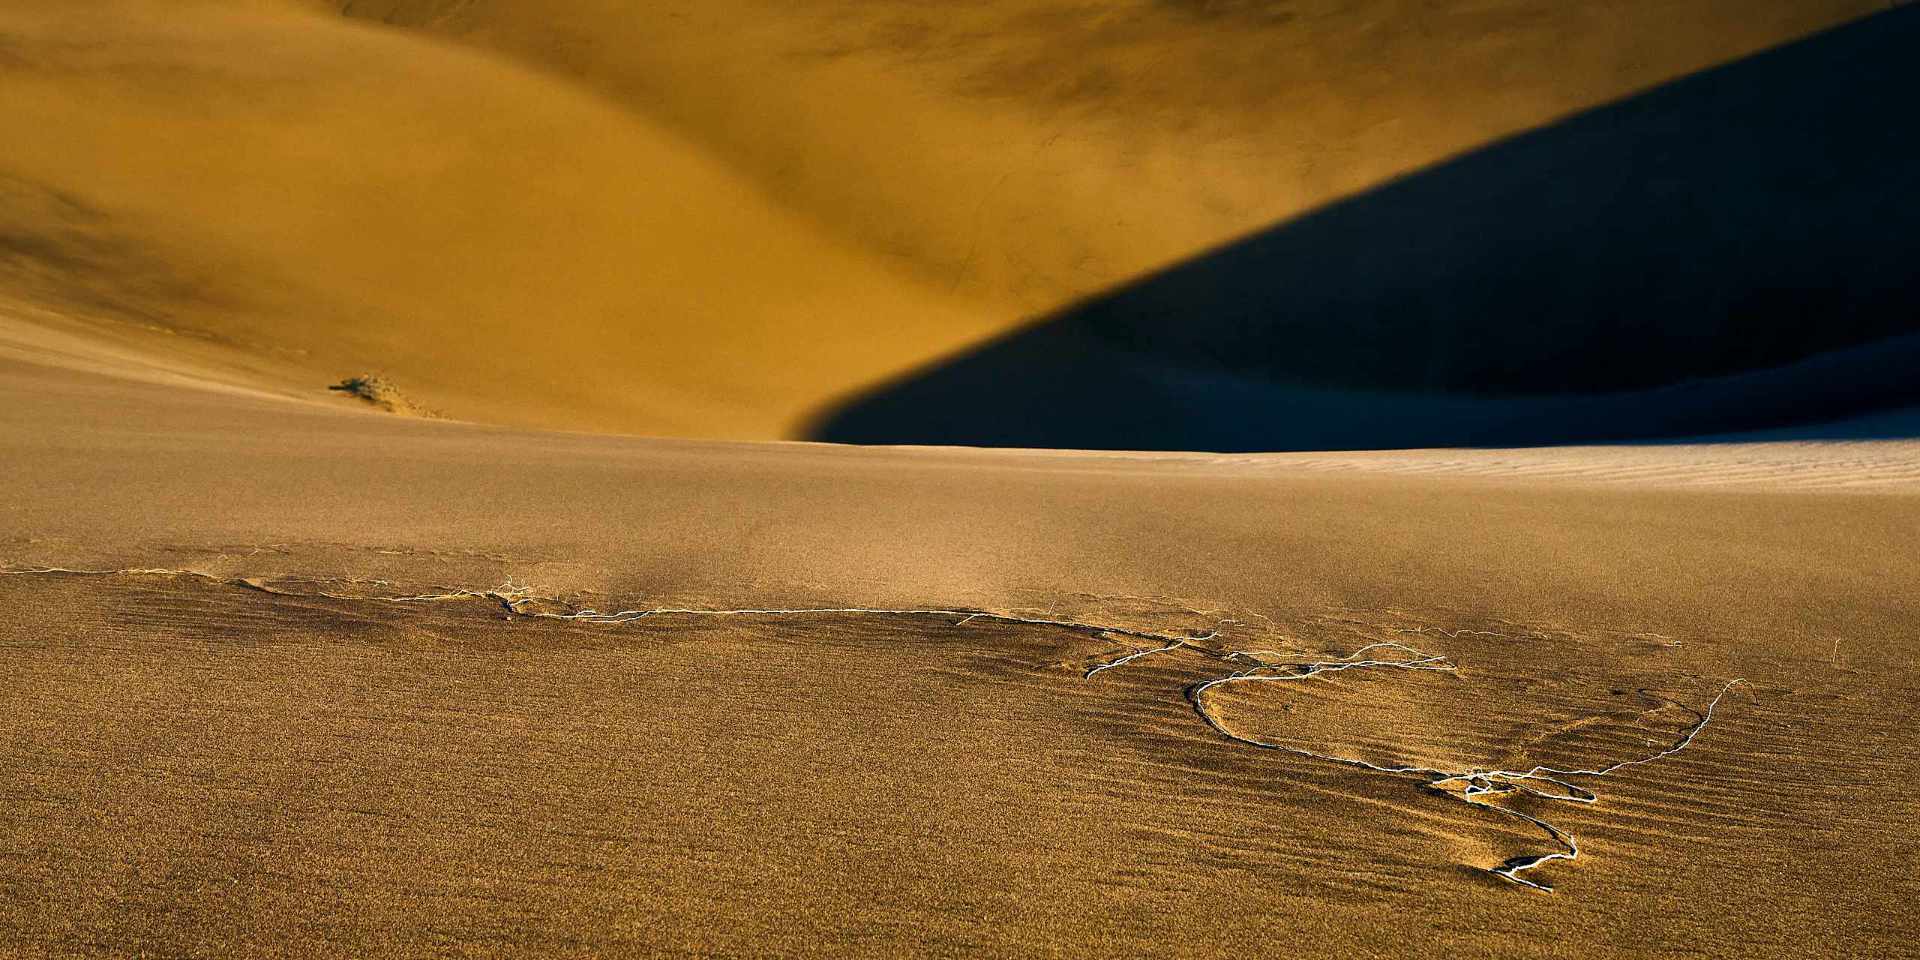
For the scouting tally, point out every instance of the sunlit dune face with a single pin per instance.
(366, 199)
(1032, 151)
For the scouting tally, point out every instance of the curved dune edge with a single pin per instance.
(320, 199)
(1031, 152)
(575, 219)
(1872, 453)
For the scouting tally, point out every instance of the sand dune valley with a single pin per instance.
(1138, 478)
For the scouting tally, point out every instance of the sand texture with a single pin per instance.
(287, 774)
(1374, 478)
(253, 742)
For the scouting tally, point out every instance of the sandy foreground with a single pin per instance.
(225, 732)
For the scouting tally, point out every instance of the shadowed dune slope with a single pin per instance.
(1732, 250)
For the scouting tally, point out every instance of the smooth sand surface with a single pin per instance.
(319, 198)
(248, 746)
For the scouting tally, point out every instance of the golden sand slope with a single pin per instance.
(327, 199)
(1033, 151)
(221, 759)
(713, 218)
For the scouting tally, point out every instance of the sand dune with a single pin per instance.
(1730, 250)
(316, 199)
(241, 745)
(289, 674)
(720, 219)
(1034, 151)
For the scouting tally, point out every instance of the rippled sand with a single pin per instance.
(246, 743)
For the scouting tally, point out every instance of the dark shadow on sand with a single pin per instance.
(1738, 249)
